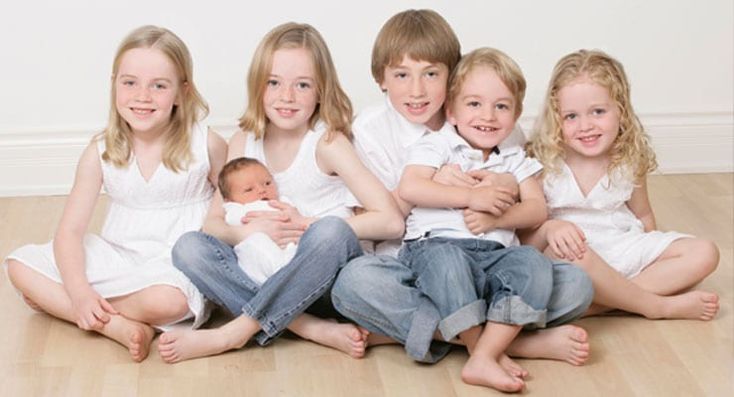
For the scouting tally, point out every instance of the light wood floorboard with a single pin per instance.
(631, 356)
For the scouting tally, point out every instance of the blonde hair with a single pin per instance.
(507, 70)
(422, 35)
(177, 153)
(334, 107)
(631, 147)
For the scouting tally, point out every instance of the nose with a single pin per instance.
(142, 94)
(488, 113)
(585, 123)
(417, 88)
(287, 93)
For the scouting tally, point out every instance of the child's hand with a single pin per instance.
(452, 175)
(479, 222)
(566, 240)
(489, 178)
(91, 311)
(492, 199)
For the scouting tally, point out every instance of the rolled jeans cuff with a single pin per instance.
(513, 310)
(463, 319)
(419, 343)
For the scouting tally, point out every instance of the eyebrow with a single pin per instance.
(297, 78)
(155, 79)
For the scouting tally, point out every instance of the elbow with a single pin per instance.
(395, 227)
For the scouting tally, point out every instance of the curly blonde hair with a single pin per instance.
(631, 147)
(177, 153)
(334, 106)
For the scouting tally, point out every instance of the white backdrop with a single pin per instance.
(56, 62)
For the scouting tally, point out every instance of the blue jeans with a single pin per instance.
(326, 246)
(380, 294)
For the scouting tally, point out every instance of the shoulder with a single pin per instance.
(237, 144)
(337, 144)
(215, 142)
(371, 121)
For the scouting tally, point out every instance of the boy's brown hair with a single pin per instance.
(422, 35)
(231, 167)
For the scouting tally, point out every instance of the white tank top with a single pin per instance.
(314, 193)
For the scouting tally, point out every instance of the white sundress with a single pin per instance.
(144, 220)
(612, 230)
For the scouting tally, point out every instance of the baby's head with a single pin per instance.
(485, 97)
(244, 180)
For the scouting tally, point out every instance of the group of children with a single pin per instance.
(436, 182)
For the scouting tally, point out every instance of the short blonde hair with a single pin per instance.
(334, 107)
(507, 70)
(631, 147)
(192, 107)
(422, 35)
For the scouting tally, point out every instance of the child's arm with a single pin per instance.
(530, 212)
(639, 204)
(382, 219)
(418, 188)
(276, 224)
(90, 309)
(217, 149)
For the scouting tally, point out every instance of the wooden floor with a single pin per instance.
(630, 355)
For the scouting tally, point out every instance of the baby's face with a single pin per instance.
(252, 184)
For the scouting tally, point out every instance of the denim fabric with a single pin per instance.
(326, 246)
(472, 281)
(379, 294)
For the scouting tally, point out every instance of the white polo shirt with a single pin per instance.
(382, 137)
(448, 147)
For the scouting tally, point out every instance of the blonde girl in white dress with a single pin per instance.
(157, 166)
(596, 157)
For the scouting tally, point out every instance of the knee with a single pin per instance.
(583, 287)
(187, 251)
(16, 274)
(166, 305)
(330, 228)
(707, 256)
(357, 279)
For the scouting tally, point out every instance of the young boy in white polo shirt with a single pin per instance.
(412, 57)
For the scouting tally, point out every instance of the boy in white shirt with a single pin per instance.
(412, 57)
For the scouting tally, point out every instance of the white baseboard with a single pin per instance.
(37, 163)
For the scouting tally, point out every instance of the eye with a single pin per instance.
(502, 106)
(268, 183)
(432, 74)
(302, 85)
(473, 104)
(128, 83)
(400, 75)
(160, 86)
(599, 111)
(272, 83)
(570, 117)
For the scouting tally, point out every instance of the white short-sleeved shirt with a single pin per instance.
(382, 137)
(443, 147)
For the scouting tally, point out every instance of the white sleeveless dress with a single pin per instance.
(611, 229)
(313, 193)
(144, 220)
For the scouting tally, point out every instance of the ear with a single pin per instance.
(182, 93)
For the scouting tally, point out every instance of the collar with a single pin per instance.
(458, 143)
(409, 132)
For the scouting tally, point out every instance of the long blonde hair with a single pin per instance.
(177, 153)
(334, 107)
(631, 148)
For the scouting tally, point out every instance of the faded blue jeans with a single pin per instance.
(380, 294)
(326, 246)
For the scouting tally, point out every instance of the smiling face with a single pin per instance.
(147, 87)
(417, 90)
(251, 183)
(589, 118)
(484, 111)
(291, 94)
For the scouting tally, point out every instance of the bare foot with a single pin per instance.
(567, 343)
(511, 367)
(180, 345)
(134, 335)
(33, 305)
(483, 371)
(345, 337)
(379, 339)
(693, 305)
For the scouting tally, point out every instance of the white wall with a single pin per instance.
(56, 61)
